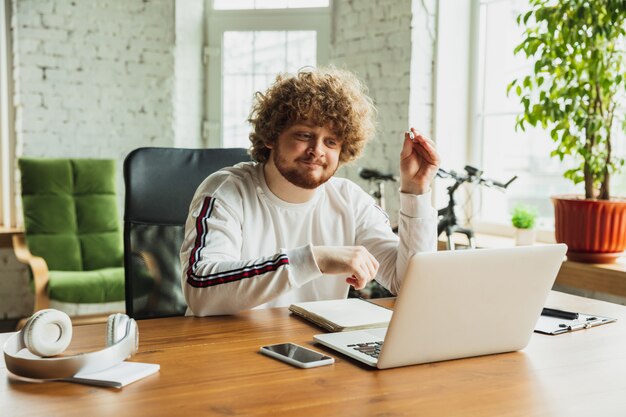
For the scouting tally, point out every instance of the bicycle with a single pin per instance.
(379, 179)
(447, 220)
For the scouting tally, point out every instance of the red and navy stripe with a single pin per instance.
(249, 271)
(205, 213)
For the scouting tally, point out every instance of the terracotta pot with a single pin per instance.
(594, 230)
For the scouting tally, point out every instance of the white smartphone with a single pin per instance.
(297, 355)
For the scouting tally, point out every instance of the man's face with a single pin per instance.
(307, 155)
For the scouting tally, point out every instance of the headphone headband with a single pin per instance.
(32, 366)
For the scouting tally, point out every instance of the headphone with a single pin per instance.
(49, 332)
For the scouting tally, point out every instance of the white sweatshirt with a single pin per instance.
(245, 248)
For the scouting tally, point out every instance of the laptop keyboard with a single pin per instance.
(371, 348)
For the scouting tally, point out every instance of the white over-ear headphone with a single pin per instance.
(48, 333)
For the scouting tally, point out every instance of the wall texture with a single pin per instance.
(188, 74)
(93, 79)
(390, 45)
(16, 299)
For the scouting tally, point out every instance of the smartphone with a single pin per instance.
(297, 355)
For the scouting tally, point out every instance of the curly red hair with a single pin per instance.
(324, 96)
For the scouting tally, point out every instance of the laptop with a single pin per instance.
(459, 304)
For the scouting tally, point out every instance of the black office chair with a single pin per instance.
(160, 183)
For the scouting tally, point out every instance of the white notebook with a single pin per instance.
(343, 315)
(117, 376)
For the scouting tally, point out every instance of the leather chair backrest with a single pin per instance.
(160, 183)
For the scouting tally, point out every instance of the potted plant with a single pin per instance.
(523, 219)
(576, 92)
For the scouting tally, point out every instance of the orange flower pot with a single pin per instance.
(594, 230)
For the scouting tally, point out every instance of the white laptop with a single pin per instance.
(458, 304)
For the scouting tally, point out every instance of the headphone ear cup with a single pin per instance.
(48, 332)
(116, 328)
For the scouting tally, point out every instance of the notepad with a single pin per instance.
(117, 376)
(343, 315)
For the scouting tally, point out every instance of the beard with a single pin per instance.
(300, 177)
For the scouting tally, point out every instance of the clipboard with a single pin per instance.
(556, 325)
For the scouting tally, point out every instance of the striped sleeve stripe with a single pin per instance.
(237, 274)
(205, 213)
(225, 276)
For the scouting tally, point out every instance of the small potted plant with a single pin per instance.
(523, 219)
(575, 91)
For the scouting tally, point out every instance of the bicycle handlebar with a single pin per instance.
(372, 174)
(474, 175)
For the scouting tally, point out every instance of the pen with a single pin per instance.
(551, 312)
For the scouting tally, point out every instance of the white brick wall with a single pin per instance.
(16, 299)
(93, 78)
(390, 45)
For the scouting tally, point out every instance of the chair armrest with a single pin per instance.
(38, 267)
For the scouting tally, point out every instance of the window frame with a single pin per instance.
(219, 21)
(8, 209)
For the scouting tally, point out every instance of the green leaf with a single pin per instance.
(554, 134)
(508, 87)
(527, 16)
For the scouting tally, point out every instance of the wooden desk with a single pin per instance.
(210, 366)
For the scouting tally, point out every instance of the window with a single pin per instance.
(502, 151)
(251, 62)
(249, 43)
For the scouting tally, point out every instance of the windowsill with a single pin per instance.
(602, 281)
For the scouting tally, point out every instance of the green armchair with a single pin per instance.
(72, 238)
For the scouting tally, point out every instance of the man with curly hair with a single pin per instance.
(283, 229)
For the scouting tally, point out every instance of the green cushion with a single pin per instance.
(61, 252)
(70, 212)
(94, 176)
(45, 176)
(49, 214)
(93, 213)
(102, 250)
(100, 286)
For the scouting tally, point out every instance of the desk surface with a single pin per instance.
(210, 366)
